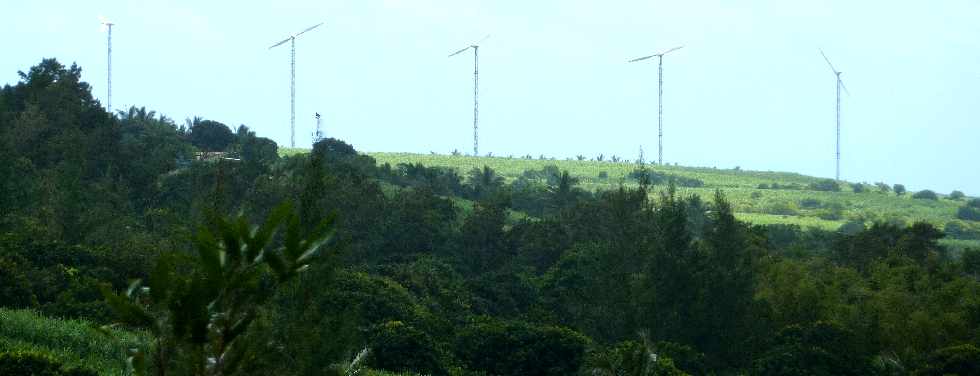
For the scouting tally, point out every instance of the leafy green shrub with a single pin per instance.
(974, 203)
(756, 195)
(781, 208)
(954, 360)
(883, 188)
(832, 212)
(15, 289)
(810, 203)
(925, 195)
(851, 227)
(956, 195)
(971, 261)
(959, 230)
(899, 189)
(37, 364)
(520, 348)
(858, 188)
(632, 358)
(825, 185)
(396, 346)
(763, 186)
(821, 348)
(603, 175)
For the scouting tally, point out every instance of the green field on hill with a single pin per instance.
(794, 203)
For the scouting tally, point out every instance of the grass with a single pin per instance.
(73, 342)
(761, 206)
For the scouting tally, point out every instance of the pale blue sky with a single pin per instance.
(749, 89)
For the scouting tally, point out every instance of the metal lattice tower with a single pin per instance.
(292, 81)
(840, 85)
(660, 99)
(476, 100)
(476, 92)
(107, 26)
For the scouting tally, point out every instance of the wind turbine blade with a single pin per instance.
(308, 29)
(843, 87)
(482, 40)
(640, 59)
(280, 43)
(460, 51)
(670, 50)
(832, 69)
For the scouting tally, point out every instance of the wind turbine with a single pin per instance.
(476, 90)
(107, 27)
(660, 100)
(292, 81)
(840, 85)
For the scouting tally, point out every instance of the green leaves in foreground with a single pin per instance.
(197, 308)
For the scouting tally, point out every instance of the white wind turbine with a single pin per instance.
(476, 90)
(660, 100)
(292, 81)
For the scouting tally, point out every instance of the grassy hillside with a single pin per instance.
(796, 205)
(74, 342)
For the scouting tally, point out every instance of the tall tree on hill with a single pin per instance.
(211, 136)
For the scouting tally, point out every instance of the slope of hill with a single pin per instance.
(794, 202)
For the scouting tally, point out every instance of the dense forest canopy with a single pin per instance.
(433, 270)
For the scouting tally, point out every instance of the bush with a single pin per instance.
(858, 188)
(781, 208)
(825, 185)
(971, 261)
(15, 288)
(925, 195)
(957, 230)
(756, 195)
(883, 188)
(398, 347)
(520, 348)
(810, 203)
(37, 364)
(956, 195)
(899, 189)
(968, 213)
(603, 175)
(763, 186)
(954, 360)
(974, 203)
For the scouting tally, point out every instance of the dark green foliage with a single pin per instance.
(630, 358)
(15, 289)
(821, 348)
(955, 360)
(647, 176)
(883, 188)
(968, 213)
(811, 203)
(398, 347)
(37, 364)
(858, 188)
(210, 135)
(918, 243)
(851, 227)
(483, 183)
(956, 195)
(199, 315)
(925, 195)
(974, 203)
(971, 261)
(517, 348)
(899, 189)
(827, 185)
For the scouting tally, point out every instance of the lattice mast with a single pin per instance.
(292, 80)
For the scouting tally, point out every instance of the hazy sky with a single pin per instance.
(749, 89)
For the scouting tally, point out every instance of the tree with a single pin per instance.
(197, 310)
(954, 360)
(821, 348)
(899, 189)
(211, 136)
(956, 195)
(925, 195)
(484, 182)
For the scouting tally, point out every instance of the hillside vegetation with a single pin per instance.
(213, 253)
(793, 202)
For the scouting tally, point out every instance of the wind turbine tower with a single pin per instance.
(840, 85)
(476, 91)
(292, 81)
(660, 100)
(107, 27)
